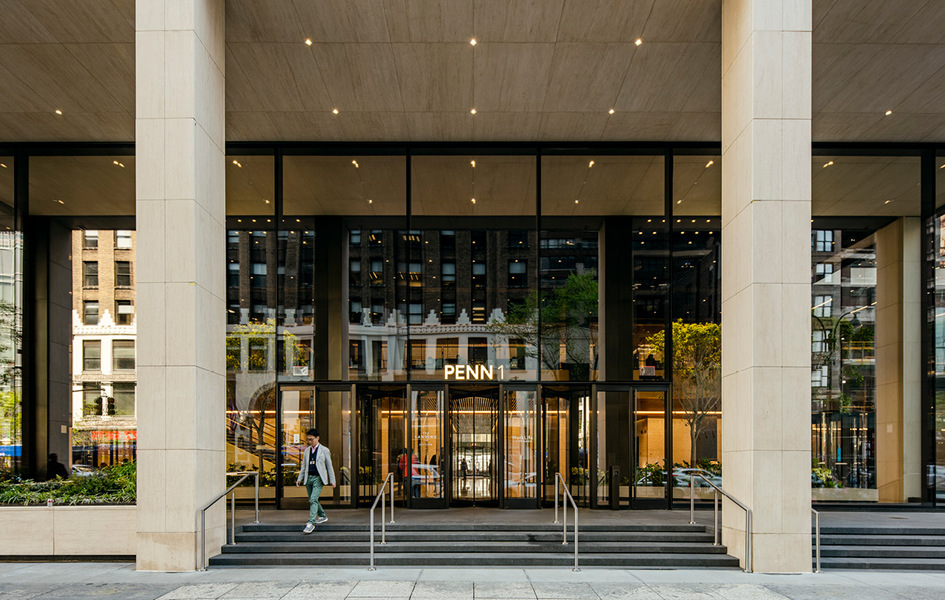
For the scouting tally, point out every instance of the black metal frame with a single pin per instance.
(22, 151)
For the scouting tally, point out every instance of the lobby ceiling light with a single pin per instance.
(4, 166)
(887, 202)
(308, 41)
(473, 163)
(827, 164)
(355, 163)
(709, 164)
(610, 112)
(118, 164)
(590, 164)
(369, 201)
(577, 201)
(266, 200)
(59, 201)
(638, 42)
(473, 42)
(58, 112)
(680, 201)
(334, 111)
(473, 201)
(237, 163)
(472, 111)
(888, 112)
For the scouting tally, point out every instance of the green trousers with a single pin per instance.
(314, 488)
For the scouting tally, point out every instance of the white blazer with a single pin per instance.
(322, 465)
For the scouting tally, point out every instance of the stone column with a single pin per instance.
(181, 311)
(766, 340)
(898, 362)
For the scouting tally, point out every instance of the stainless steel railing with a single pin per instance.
(816, 538)
(203, 513)
(564, 520)
(380, 496)
(718, 490)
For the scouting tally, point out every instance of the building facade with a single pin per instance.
(479, 247)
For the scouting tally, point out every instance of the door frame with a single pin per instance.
(445, 447)
(666, 502)
(521, 503)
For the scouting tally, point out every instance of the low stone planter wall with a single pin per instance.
(64, 531)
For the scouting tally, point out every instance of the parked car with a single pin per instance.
(82, 470)
(681, 477)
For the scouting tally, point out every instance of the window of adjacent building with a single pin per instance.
(377, 313)
(259, 276)
(447, 351)
(233, 353)
(418, 354)
(379, 355)
(416, 313)
(517, 354)
(449, 272)
(124, 399)
(518, 239)
(478, 351)
(124, 312)
(822, 306)
(356, 355)
(354, 273)
(258, 359)
(90, 240)
(90, 274)
(123, 240)
(355, 237)
(91, 355)
(91, 399)
(356, 312)
(122, 273)
(479, 268)
(822, 240)
(233, 275)
(123, 355)
(823, 273)
(377, 272)
(90, 312)
(449, 310)
(820, 376)
(818, 342)
(518, 273)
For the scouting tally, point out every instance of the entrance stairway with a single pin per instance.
(859, 547)
(476, 545)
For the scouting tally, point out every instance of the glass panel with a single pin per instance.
(461, 186)
(428, 444)
(296, 296)
(298, 416)
(570, 302)
(104, 429)
(11, 278)
(82, 186)
(250, 186)
(865, 186)
(939, 181)
(602, 185)
(651, 286)
(521, 469)
(344, 185)
(697, 185)
(382, 427)
(614, 446)
(650, 444)
(474, 418)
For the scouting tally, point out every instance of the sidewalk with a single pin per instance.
(63, 581)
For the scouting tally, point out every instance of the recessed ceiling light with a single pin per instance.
(473, 200)
(4, 166)
(827, 164)
(679, 202)
(942, 167)
(118, 164)
(887, 202)
(888, 112)
(472, 111)
(590, 164)
(473, 163)
(266, 200)
(308, 42)
(237, 163)
(610, 112)
(473, 42)
(577, 201)
(369, 201)
(709, 164)
(58, 112)
(355, 163)
(638, 42)
(59, 201)
(334, 111)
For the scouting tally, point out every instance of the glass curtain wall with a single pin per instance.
(11, 299)
(935, 322)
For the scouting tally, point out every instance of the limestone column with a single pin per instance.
(181, 315)
(766, 193)
(898, 362)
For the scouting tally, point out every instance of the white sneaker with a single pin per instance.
(321, 520)
(309, 528)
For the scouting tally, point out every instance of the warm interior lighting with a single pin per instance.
(355, 163)
(679, 202)
(266, 200)
(334, 111)
(308, 42)
(369, 201)
(610, 112)
(638, 42)
(473, 200)
(709, 164)
(827, 164)
(118, 164)
(590, 164)
(3, 165)
(888, 112)
(887, 202)
(58, 112)
(473, 42)
(237, 163)
(473, 163)
(577, 201)
(472, 111)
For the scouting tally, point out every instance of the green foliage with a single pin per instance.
(112, 485)
(651, 474)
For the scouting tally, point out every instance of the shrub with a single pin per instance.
(112, 485)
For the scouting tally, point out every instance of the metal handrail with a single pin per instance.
(715, 533)
(816, 537)
(380, 496)
(564, 520)
(203, 513)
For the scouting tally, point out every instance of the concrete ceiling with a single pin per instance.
(404, 70)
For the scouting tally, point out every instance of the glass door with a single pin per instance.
(298, 416)
(566, 437)
(522, 475)
(474, 439)
(382, 441)
(652, 480)
(428, 448)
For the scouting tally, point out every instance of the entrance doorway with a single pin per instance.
(474, 444)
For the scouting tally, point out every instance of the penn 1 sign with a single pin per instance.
(472, 372)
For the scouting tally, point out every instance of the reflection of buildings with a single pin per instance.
(11, 281)
(103, 348)
(843, 360)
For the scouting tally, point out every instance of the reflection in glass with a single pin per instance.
(428, 480)
(521, 471)
(344, 185)
(865, 185)
(81, 185)
(649, 444)
(474, 421)
(461, 186)
(697, 185)
(843, 363)
(650, 243)
(602, 185)
(382, 426)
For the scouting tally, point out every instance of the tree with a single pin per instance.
(564, 316)
(697, 372)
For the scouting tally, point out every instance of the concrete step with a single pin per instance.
(888, 564)
(885, 552)
(882, 540)
(884, 531)
(466, 536)
(315, 547)
(455, 527)
(509, 559)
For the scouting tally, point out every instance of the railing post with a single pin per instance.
(383, 517)
(257, 497)
(747, 541)
(371, 568)
(203, 540)
(556, 497)
(692, 500)
(575, 569)
(564, 518)
(817, 537)
(715, 519)
(391, 499)
(233, 518)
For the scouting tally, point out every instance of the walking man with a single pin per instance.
(315, 472)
